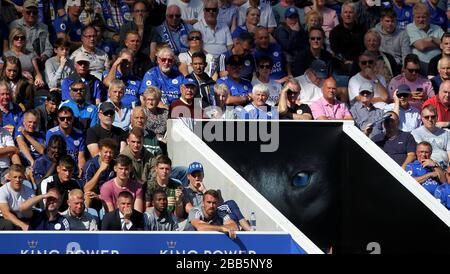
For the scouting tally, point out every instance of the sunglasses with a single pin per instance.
(265, 66)
(194, 38)
(19, 37)
(315, 38)
(413, 70)
(290, 92)
(365, 93)
(108, 113)
(65, 118)
(32, 12)
(168, 60)
(174, 15)
(402, 95)
(370, 62)
(211, 10)
(77, 89)
(429, 116)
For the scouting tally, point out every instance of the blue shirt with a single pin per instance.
(86, 113)
(41, 166)
(67, 82)
(11, 120)
(404, 15)
(91, 167)
(107, 46)
(73, 29)
(168, 84)
(39, 137)
(75, 142)
(438, 16)
(443, 194)
(415, 169)
(242, 88)
(132, 83)
(262, 113)
(247, 69)
(39, 221)
(275, 52)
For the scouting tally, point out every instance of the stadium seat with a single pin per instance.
(29, 184)
(92, 211)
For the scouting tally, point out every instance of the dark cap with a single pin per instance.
(290, 11)
(107, 106)
(403, 89)
(234, 60)
(320, 68)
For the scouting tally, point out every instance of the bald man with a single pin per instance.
(328, 107)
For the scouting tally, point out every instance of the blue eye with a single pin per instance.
(301, 179)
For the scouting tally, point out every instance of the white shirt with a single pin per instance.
(267, 18)
(5, 141)
(15, 199)
(356, 82)
(190, 10)
(215, 41)
(309, 92)
(122, 221)
(274, 91)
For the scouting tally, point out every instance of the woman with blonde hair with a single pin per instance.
(156, 116)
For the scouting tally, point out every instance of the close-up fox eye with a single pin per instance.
(301, 179)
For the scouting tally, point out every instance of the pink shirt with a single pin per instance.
(109, 191)
(321, 107)
(421, 82)
(330, 19)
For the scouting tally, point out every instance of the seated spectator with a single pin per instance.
(48, 117)
(280, 10)
(437, 137)
(409, 116)
(313, 19)
(61, 181)
(8, 150)
(45, 165)
(122, 115)
(424, 170)
(228, 14)
(161, 180)
(368, 75)
(157, 116)
(49, 218)
(367, 13)
(104, 129)
(85, 113)
(69, 25)
(207, 217)
(258, 109)
(11, 113)
(330, 19)
(433, 69)
(421, 87)
(12, 195)
(238, 87)
(328, 107)
(404, 12)
(444, 73)
(141, 61)
(186, 106)
(221, 110)
(251, 22)
(311, 81)
(30, 141)
(124, 216)
(99, 170)
(399, 145)
(442, 193)
(242, 46)
(365, 114)
(76, 216)
(204, 82)
(139, 120)
(288, 107)
(263, 68)
(267, 18)
(109, 191)
(441, 102)
(59, 67)
(158, 218)
(22, 89)
(437, 15)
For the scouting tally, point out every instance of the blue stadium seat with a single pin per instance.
(101, 213)
(92, 211)
(28, 184)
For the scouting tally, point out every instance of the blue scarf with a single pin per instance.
(167, 36)
(125, 11)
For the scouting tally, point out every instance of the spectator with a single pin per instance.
(441, 102)
(124, 216)
(311, 81)
(204, 82)
(186, 106)
(76, 216)
(420, 86)
(11, 114)
(313, 19)
(393, 39)
(69, 26)
(141, 62)
(110, 191)
(221, 110)
(191, 10)
(30, 141)
(258, 109)
(442, 193)
(424, 37)
(22, 88)
(165, 77)
(157, 116)
(98, 59)
(139, 120)
(12, 195)
(49, 218)
(85, 113)
(48, 111)
(208, 218)
(330, 19)
(409, 116)
(45, 165)
(404, 13)
(264, 67)
(266, 20)
(122, 70)
(367, 13)
(444, 73)
(158, 218)
(399, 145)
(75, 140)
(437, 15)
(437, 137)
(8, 151)
(116, 14)
(122, 114)
(238, 87)
(252, 18)
(59, 67)
(328, 107)
(288, 107)
(280, 10)
(433, 69)
(424, 170)
(99, 170)
(228, 14)
(365, 114)
(104, 129)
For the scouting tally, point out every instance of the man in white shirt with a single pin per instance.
(311, 82)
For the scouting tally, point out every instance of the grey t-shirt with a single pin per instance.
(439, 140)
(15, 199)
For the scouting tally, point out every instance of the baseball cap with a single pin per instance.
(195, 166)
(30, 3)
(320, 68)
(107, 106)
(189, 81)
(81, 57)
(71, 3)
(366, 87)
(290, 11)
(403, 89)
(234, 60)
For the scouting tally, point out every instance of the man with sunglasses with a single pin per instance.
(409, 116)
(37, 33)
(288, 107)
(190, 9)
(441, 102)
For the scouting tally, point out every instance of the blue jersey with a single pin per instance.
(132, 83)
(443, 194)
(39, 137)
(39, 221)
(86, 114)
(11, 120)
(241, 88)
(72, 29)
(404, 16)
(259, 113)
(96, 93)
(275, 52)
(91, 167)
(75, 141)
(438, 17)
(247, 69)
(168, 84)
(415, 169)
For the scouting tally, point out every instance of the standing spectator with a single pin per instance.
(263, 68)
(424, 170)
(444, 73)
(110, 191)
(59, 67)
(48, 111)
(257, 108)
(409, 116)
(424, 37)
(76, 216)
(45, 165)
(21, 87)
(158, 218)
(433, 64)
(124, 216)
(311, 81)
(288, 107)
(328, 107)
(441, 102)
(30, 141)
